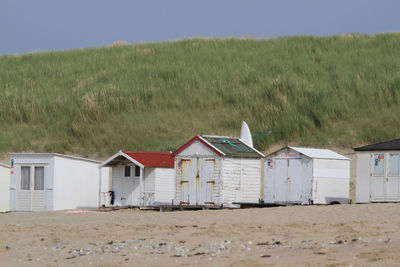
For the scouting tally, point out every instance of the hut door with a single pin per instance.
(38, 193)
(393, 178)
(378, 180)
(207, 181)
(188, 174)
(136, 194)
(294, 182)
(281, 175)
(31, 194)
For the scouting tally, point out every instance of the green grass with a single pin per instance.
(339, 90)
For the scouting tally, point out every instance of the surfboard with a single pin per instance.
(245, 134)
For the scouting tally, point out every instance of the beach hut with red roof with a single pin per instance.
(142, 178)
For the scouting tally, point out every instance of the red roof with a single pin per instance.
(152, 158)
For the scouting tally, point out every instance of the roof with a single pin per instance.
(388, 145)
(54, 154)
(143, 159)
(317, 153)
(224, 146)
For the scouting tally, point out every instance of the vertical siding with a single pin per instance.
(307, 172)
(269, 180)
(231, 173)
(241, 180)
(122, 186)
(251, 180)
(198, 148)
(164, 186)
(188, 189)
(363, 177)
(149, 179)
(105, 186)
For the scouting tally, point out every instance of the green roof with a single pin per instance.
(231, 146)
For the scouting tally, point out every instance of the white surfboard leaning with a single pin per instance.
(245, 134)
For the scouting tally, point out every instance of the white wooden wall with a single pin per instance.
(198, 148)
(164, 186)
(4, 188)
(363, 177)
(331, 181)
(149, 179)
(76, 183)
(241, 180)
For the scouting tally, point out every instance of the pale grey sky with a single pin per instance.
(27, 25)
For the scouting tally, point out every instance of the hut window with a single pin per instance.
(25, 178)
(379, 164)
(394, 164)
(127, 171)
(137, 171)
(39, 178)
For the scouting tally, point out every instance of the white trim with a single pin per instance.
(204, 140)
(120, 153)
(318, 153)
(54, 154)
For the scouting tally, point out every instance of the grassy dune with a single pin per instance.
(340, 90)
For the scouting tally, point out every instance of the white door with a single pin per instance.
(136, 192)
(393, 179)
(188, 172)
(378, 179)
(281, 179)
(295, 180)
(197, 182)
(207, 181)
(31, 193)
(122, 187)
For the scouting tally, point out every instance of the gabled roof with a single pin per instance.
(143, 159)
(224, 146)
(317, 153)
(388, 145)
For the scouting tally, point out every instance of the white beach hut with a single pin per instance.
(4, 187)
(50, 181)
(306, 176)
(142, 178)
(378, 172)
(217, 171)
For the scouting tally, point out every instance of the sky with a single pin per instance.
(42, 25)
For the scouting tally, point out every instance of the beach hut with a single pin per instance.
(4, 187)
(217, 171)
(142, 178)
(378, 174)
(306, 176)
(51, 181)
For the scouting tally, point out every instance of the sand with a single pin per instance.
(340, 235)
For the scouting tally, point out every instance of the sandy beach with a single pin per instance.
(340, 235)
